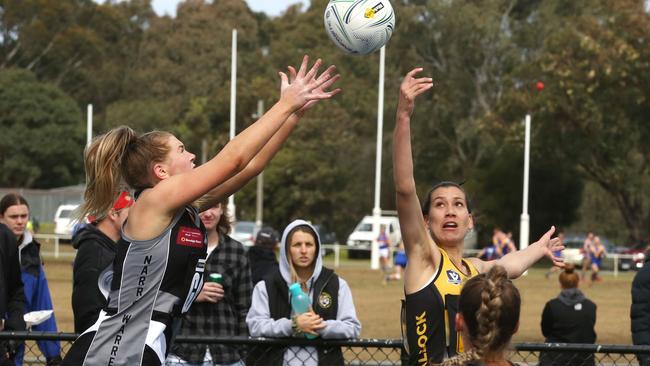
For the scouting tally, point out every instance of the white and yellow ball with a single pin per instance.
(359, 27)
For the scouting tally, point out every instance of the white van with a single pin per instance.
(64, 220)
(362, 235)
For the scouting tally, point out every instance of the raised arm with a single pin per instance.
(417, 242)
(518, 262)
(261, 160)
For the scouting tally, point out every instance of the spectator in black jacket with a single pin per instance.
(93, 266)
(569, 318)
(12, 298)
(262, 255)
(640, 310)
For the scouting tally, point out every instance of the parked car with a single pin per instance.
(64, 219)
(327, 238)
(362, 236)
(245, 232)
(634, 262)
(573, 248)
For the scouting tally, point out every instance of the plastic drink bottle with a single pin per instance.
(300, 303)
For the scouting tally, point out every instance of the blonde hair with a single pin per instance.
(116, 158)
(490, 306)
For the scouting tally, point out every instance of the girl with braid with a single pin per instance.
(159, 264)
(433, 235)
(488, 316)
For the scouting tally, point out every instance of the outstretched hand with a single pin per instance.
(552, 245)
(303, 88)
(328, 79)
(411, 88)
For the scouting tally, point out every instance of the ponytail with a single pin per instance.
(120, 157)
(490, 306)
(102, 161)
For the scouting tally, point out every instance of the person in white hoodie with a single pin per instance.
(333, 314)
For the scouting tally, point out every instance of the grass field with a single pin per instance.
(378, 306)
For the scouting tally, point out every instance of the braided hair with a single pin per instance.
(490, 305)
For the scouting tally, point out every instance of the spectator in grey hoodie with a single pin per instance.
(333, 314)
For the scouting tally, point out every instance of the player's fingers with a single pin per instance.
(414, 72)
(283, 77)
(326, 83)
(331, 70)
(303, 67)
(550, 231)
(314, 70)
(422, 88)
(292, 74)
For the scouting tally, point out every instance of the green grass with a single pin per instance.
(378, 306)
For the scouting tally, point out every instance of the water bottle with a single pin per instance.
(300, 303)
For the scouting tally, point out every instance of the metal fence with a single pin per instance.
(44, 202)
(265, 351)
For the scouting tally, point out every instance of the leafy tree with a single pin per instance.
(598, 213)
(325, 172)
(184, 62)
(42, 141)
(596, 70)
(174, 74)
(467, 47)
(81, 46)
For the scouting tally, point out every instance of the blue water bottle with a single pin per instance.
(300, 303)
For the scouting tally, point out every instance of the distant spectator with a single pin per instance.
(586, 251)
(333, 314)
(14, 212)
(509, 244)
(569, 318)
(12, 297)
(640, 310)
(498, 243)
(490, 253)
(262, 255)
(96, 244)
(221, 308)
(489, 306)
(383, 242)
(596, 255)
(400, 261)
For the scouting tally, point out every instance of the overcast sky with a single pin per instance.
(270, 7)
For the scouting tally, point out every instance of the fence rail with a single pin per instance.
(267, 351)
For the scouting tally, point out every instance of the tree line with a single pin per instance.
(589, 156)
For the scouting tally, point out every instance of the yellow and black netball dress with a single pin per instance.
(429, 314)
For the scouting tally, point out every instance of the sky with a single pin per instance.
(270, 7)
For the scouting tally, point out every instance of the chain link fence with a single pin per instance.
(375, 352)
